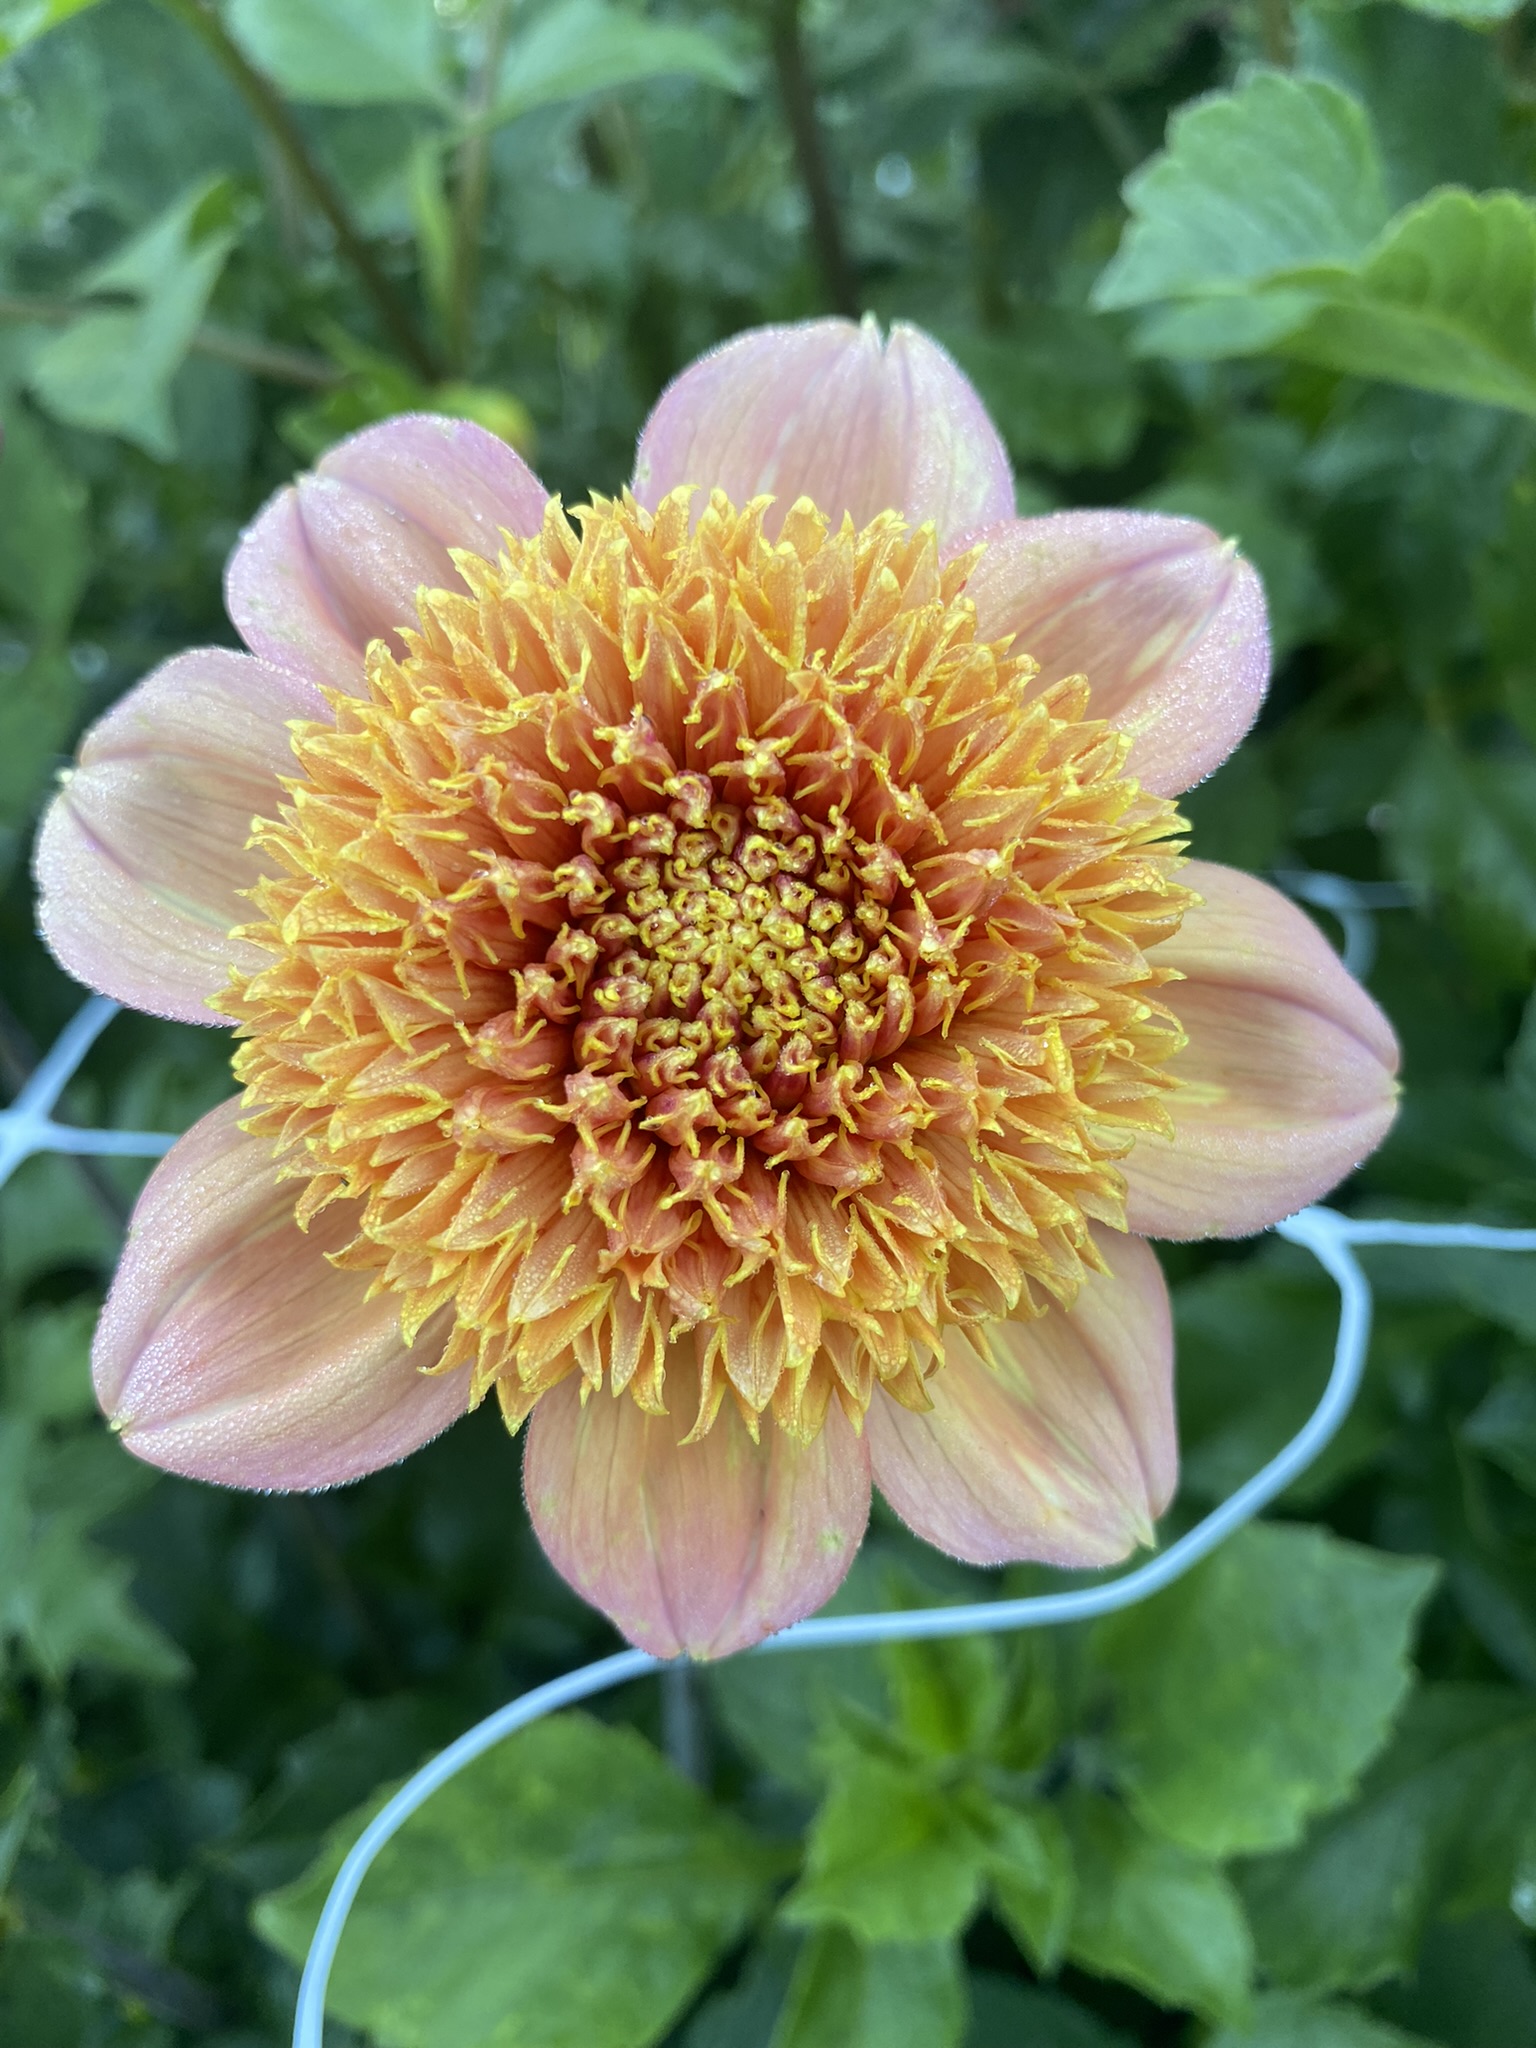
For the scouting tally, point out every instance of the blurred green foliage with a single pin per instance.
(1270, 264)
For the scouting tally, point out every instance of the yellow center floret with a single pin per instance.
(701, 931)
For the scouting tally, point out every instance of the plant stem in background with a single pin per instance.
(1109, 120)
(1277, 32)
(267, 104)
(1113, 130)
(168, 1994)
(247, 352)
(266, 359)
(474, 170)
(682, 1728)
(798, 95)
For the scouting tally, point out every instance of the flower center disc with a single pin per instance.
(699, 931)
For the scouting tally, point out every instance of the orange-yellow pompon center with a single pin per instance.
(694, 930)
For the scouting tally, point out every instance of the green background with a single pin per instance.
(1273, 266)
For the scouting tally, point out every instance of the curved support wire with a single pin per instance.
(1351, 903)
(1327, 1235)
(27, 1126)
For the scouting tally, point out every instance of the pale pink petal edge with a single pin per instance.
(231, 1350)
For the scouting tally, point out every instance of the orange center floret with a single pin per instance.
(701, 931)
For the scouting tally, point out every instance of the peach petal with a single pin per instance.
(1287, 1080)
(824, 410)
(371, 559)
(1064, 1452)
(231, 1350)
(142, 856)
(692, 1549)
(274, 594)
(1165, 619)
(461, 484)
(336, 561)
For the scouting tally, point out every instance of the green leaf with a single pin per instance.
(892, 1854)
(844, 1995)
(1153, 1915)
(345, 53)
(1282, 2019)
(112, 371)
(1503, 1424)
(1472, 13)
(1473, 1984)
(1251, 1694)
(39, 707)
(1279, 177)
(44, 528)
(586, 46)
(1008, 2014)
(23, 21)
(1439, 1827)
(746, 2015)
(1206, 330)
(48, 1362)
(1059, 384)
(1033, 1879)
(1520, 1070)
(578, 238)
(1463, 826)
(1266, 219)
(1255, 1342)
(1435, 96)
(48, 1219)
(72, 1603)
(780, 1710)
(1444, 301)
(1498, 1285)
(206, 218)
(568, 1890)
(322, 1776)
(65, 1599)
(948, 1697)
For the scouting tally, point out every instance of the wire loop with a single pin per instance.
(28, 1127)
(1326, 1234)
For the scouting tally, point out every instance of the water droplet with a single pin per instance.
(893, 176)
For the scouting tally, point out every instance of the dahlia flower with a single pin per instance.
(715, 968)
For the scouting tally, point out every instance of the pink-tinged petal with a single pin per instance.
(231, 1350)
(1287, 1079)
(692, 1549)
(274, 593)
(337, 561)
(825, 410)
(460, 483)
(143, 855)
(371, 560)
(1063, 1451)
(1165, 619)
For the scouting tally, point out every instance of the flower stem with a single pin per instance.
(246, 351)
(682, 1727)
(268, 106)
(473, 183)
(798, 95)
(1277, 32)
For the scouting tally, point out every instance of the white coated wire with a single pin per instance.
(1324, 1233)
(27, 1127)
(1352, 903)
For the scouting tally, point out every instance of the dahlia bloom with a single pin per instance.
(717, 968)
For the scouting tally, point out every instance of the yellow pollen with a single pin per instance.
(702, 964)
